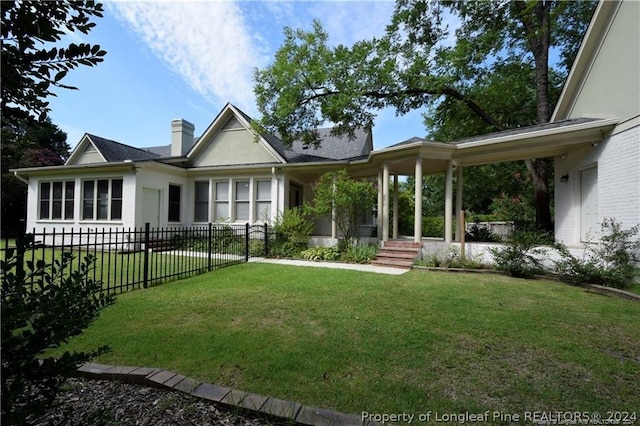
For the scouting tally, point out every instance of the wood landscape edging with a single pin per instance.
(232, 399)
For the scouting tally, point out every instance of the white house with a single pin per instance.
(229, 174)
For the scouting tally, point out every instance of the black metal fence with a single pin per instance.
(127, 259)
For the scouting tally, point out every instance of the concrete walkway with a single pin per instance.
(334, 265)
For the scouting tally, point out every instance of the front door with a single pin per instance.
(589, 204)
(151, 207)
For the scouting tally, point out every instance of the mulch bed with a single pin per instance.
(100, 402)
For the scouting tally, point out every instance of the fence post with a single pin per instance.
(266, 240)
(209, 246)
(20, 250)
(246, 242)
(145, 282)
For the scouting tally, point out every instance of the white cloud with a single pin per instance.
(351, 21)
(207, 43)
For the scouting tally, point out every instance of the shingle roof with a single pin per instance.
(527, 129)
(115, 152)
(332, 147)
(163, 151)
(337, 147)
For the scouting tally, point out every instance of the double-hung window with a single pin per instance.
(263, 200)
(174, 203)
(56, 200)
(102, 199)
(222, 201)
(201, 207)
(242, 200)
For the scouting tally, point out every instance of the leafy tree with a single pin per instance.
(32, 66)
(347, 199)
(42, 308)
(29, 66)
(500, 45)
(28, 143)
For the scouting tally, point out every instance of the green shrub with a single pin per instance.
(292, 230)
(321, 253)
(481, 233)
(346, 199)
(433, 226)
(224, 240)
(43, 308)
(451, 258)
(609, 262)
(281, 248)
(520, 256)
(256, 248)
(360, 253)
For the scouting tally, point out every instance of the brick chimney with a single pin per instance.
(181, 137)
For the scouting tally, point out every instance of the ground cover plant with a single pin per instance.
(42, 309)
(354, 341)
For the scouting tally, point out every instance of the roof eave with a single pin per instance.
(591, 43)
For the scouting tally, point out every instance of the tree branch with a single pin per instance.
(447, 91)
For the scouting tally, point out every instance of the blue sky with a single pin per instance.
(187, 59)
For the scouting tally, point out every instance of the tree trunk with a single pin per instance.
(539, 175)
(538, 35)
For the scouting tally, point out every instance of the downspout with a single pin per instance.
(15, 173)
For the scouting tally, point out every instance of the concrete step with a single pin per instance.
(402, 244)
(397, 254)
(394, 263)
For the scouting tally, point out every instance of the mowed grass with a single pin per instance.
(353, 341)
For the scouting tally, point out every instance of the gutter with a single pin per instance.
(15, 173)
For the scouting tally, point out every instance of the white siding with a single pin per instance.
(232, 147)
(160, 180)
(612, 84)
(128, 204)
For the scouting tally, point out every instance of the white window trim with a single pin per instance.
(180, 209)
(254, 216)
(258, 214)
(214, 197)
(195, 200)
(94, 218)
(64, 201)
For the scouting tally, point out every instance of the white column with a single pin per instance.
(334, 223)
(448, 201)
(385, 202)
(275, 200)
(417, 223)
(395, 206)
(380, 207)
(458, 200)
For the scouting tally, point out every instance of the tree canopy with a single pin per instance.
(33, 64)
(30, 64)
(497, 74)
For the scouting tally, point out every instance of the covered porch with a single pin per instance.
(418, 157)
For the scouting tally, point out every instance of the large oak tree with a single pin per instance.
(463, 85)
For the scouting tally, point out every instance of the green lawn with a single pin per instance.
(355, 341)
